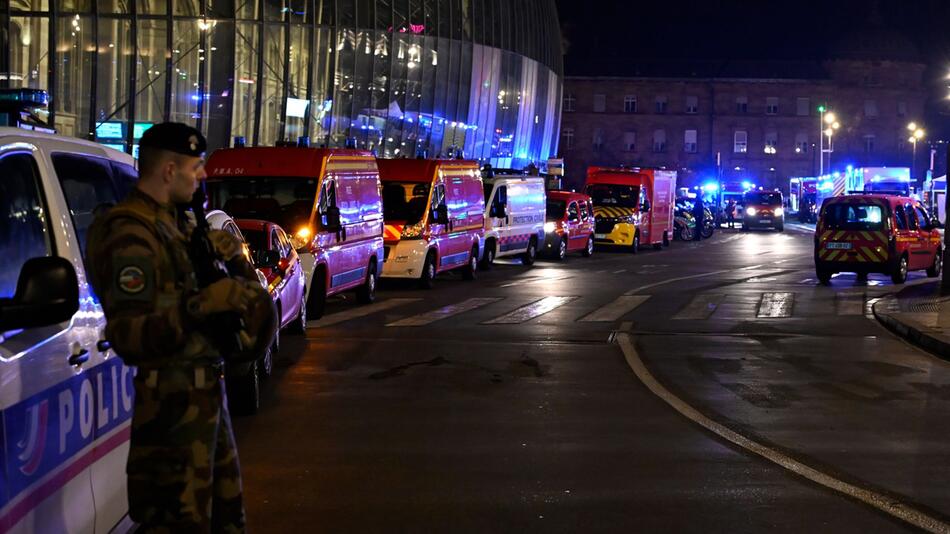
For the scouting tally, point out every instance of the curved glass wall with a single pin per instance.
(399, 77)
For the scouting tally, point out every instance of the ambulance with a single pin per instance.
(632, 206)
(65, 398)
(514, 218)
(435, 220)
(327, 199)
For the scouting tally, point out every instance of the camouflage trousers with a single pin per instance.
(183, 468)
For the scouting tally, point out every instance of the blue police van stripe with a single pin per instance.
(512, 245)
(453, 259)
(347, 277)
(44, 431)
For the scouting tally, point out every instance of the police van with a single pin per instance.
(65, 398)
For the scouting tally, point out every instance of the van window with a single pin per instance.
(87, 184)
(125, 177)
(900, 218)
(24, 231)
(500, 201)
(912, 223)
(572, 212)
(405, 201)
(438, 196)
(285, 201)
(555, 209)
(842, 216)
(622, 196)
(763, 199)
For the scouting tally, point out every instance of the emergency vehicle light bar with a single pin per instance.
(891, 192)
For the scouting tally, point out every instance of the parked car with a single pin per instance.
(328, 199)
(876, 233)
(570, 224)
(52, 346)
(244, 380)
(435, 221)
(277, 259)
(514, 218)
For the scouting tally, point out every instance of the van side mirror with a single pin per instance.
(441, 214)
(47, 292)
(333, 218)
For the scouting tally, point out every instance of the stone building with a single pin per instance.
(749, 120)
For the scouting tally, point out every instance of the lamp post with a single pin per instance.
(827, 124)
(916, 134)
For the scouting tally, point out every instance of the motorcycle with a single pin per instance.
(684, 226)
(709, 223)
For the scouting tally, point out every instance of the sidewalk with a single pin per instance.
(920, 315)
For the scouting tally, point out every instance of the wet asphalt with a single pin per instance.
(504, 404)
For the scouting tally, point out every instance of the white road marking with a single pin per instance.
(530, 311)
(701, 307)
(775, 305)
(885, 503)
(537, 280)
(636, 290)
(850, 303)
(445, 312)
(358, 312)
(615, 310)
(619, 271)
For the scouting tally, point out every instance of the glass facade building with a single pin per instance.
(399, 77)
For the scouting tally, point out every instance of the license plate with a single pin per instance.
(600, 236)
(765, 221)
(838, 246)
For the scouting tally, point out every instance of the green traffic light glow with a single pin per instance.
(821, 109)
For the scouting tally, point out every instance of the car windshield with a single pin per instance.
(405, 201)
(555, 209)
(285, 201)
(842, 216)
(765, 199)
(623, 196)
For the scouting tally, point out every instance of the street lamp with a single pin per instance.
(832, 125)
(916, 134)
(827, 124)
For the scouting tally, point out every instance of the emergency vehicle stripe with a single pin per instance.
(356, 313)
(615, 310)
(776, 305)
(531, 311)
(445, 312)
(392, 232)
(701, 307)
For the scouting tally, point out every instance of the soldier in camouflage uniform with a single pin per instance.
(183, 473)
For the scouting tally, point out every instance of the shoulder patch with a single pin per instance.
(133, 278)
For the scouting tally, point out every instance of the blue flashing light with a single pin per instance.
(826, 186)
(710, 187)
(747, 185)
(850, 168)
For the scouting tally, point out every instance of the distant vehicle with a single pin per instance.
(244, 380)
(277, 259)
(66, 398)
(632, 206)
(763, 209)
(803, 199)
(514, 218)
(327, 198)
(435, 220)
(875, 233)
(570, 225)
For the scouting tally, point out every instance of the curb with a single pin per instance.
(912, 334)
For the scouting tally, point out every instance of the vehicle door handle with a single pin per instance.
(79, 358)
(103, 345)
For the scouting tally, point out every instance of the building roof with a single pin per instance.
(703, 69)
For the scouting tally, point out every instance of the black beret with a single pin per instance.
(175, 137)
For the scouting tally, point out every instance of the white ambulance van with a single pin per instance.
(514, 218)
(65, 398)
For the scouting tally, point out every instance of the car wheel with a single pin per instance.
(635, 247)
(489, 257)
(531, 254)
(589, 249)
(780, 228)
(428, 272)
(267, 362)
(366, 293)
(934, 270)
(824, 277)
(470, 272)
(317, 302)
(299, 324)
(666, 239)
(244, 392)
(900, 272)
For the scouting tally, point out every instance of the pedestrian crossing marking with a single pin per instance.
(619, 271)
(538, 280)
(701, 307)
(775, 305)
(445, 312)
(615, 310)
(531, 311)
(850, 303)
(361, 311)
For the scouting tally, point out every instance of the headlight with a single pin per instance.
(779, 212)
(550, 227)
(750, 212)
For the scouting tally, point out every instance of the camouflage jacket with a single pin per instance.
(139, 267)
